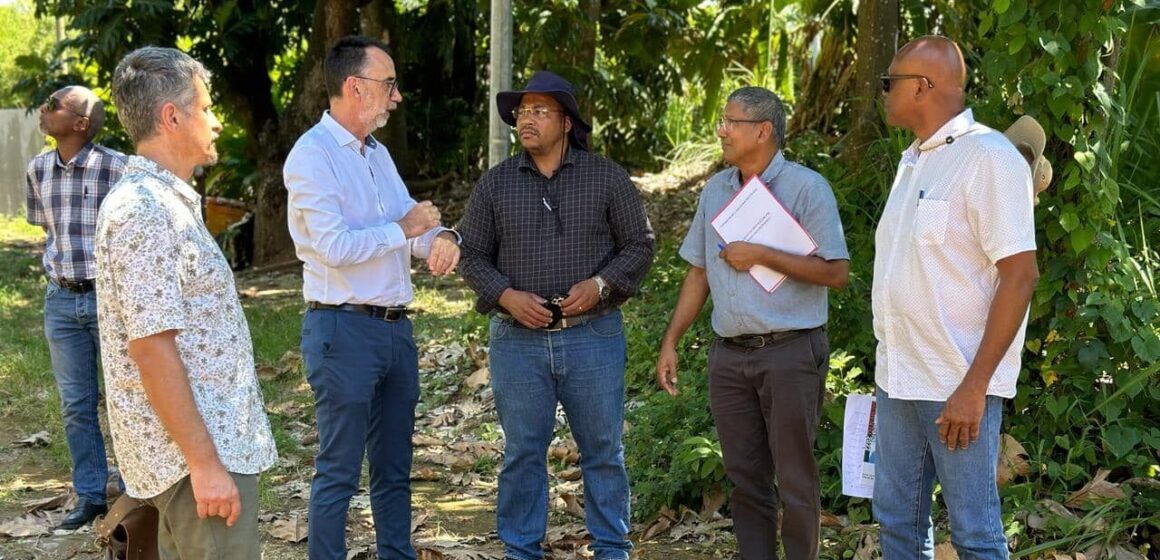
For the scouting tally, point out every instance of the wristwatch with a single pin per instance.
(602, 287)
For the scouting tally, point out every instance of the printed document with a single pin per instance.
(858, 450)
(756, 216)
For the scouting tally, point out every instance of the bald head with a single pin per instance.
(937, 58)
(83, 102)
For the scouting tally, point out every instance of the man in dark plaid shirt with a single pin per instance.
(65, 189)
(555, 238)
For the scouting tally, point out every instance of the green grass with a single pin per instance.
(28, 398)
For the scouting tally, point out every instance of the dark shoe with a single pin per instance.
(85, 512)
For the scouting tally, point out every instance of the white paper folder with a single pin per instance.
(756, 216)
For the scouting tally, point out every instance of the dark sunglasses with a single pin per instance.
(887, 78)
(54, 104)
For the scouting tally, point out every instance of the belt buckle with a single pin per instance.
(394, 315)
(761, 341)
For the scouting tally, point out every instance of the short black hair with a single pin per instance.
(347, 58)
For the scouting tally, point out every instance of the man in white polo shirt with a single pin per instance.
(954, 270)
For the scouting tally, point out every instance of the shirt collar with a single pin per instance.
(166, 177)
(957, 126)
(526, 161)
(344, 136)
(78, 160)
(771, 172)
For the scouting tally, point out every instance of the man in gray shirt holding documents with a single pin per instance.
(767, 368)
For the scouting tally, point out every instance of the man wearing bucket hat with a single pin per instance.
(954, 270)
(555, 238)
(1029, 138)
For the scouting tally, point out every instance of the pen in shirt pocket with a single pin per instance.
(721, 246)
(921, 195)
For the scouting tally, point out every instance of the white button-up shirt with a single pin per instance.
(956, 208)
(342, 208)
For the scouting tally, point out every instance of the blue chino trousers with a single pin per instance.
(365, 376)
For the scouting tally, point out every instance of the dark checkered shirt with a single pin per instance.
(530, 233)
(63, 198)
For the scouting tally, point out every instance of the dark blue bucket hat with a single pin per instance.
(550, 84)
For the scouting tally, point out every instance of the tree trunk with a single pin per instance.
(876, 43)
(585, 54)
(333, 19)
(379, 21)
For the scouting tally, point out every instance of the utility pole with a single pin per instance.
(499, 79)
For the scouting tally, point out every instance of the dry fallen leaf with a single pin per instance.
(663, 523)
(425, 474)
(293, 529)
(477, 380)
(711, 502)
(39, 439)
(1012, 460)
(422, 440)
(866, 547)
(65, 502)
(570, 474)
(1096, 491)
(362, 552)
(831, 520)
(945, 551)
(1113, 552)
(572, 505)
(268, 372)
(27, 525)
(418, 519)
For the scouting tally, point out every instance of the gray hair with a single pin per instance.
(148, 78)
(764, 105)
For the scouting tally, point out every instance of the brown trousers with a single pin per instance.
(767, 403)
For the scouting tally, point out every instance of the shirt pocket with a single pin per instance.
(930, 222)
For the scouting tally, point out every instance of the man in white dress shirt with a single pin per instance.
(355, 228)
(954, 270)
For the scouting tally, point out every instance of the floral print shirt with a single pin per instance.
(159, 269)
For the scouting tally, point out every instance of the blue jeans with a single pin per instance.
(582, 368)
(365, 376)
(908, 460)
(70, 325)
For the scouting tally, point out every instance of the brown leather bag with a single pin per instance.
(128, 531)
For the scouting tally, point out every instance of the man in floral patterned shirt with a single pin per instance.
(185, 409)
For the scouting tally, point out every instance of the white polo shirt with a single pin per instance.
(955, 209)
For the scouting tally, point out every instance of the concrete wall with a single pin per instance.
(20, 140)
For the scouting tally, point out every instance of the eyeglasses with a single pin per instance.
(54, 104)
(537, 113)
(887, 78)
(391, 83)
(727, 124)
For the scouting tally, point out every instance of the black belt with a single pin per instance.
(388, 314)
(565, 322)
(80, 287)
(752, 341)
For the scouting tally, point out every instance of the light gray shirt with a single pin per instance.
(740, 305)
